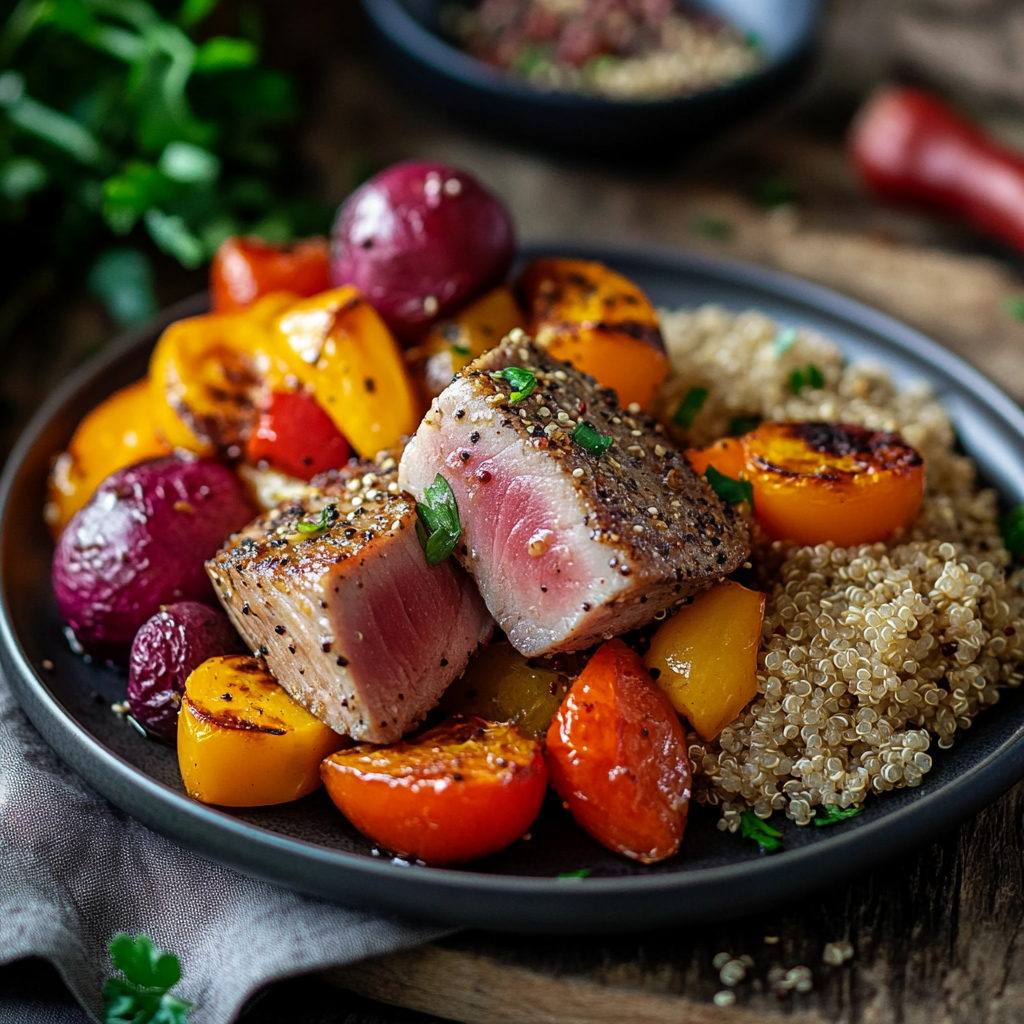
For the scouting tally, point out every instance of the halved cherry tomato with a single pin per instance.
(818, 482)
(296, 436)
(617, 757)
(245, 269)
(463, 790)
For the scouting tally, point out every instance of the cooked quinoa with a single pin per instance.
(869, 652)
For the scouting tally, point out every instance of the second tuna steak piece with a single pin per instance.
(580, 521)
(334, 591)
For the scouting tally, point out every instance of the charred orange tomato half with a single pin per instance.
(461, 791)
(817, 482)
(617, 757)
(245, 269)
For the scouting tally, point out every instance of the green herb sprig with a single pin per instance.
(710, 226)
(582, 873)
(1011, 526)
(143, 996)
(832, 814)
(523, 381)
(768, 838)
(328, 515)
(437, 521)
(740, 425)
(1015, 307)
(807, 376)
(590, 440)
(729, 489)
(692, 403)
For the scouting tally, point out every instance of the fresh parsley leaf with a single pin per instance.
(582, 873)
(712, 227)
(784, 341)
(740, 425)
(590, 440)
(143, 995)
(1015, 307)
(328, 514)
(437, 521)
(728, 489)
(692, 403)
(768, 838)
(460, 350)
(523, 381)
(1011, 526)
(832, 814)
(808, 376)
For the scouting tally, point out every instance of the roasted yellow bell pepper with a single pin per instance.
(501, 685)
(705, 656)
(243, 742)
(338, 346)
(452, 344)
(117, 433)
(600, 322)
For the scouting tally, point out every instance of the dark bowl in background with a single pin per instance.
(429, 67)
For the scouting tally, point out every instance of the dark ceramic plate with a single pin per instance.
(308, 846)
(440, 74)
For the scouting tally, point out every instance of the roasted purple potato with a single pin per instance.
(419, 240)
(167, 649)
(140, 543)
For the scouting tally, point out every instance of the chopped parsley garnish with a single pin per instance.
(712, 227)
(582, 873)
(1011, 526)
(740, 425)
(523, 381)
(784, 341)
(809, 376)
(768, 838)
(460, 350)
(437, 521)
(832, 814)
(728, 489)
(692, 403)
(1015, 307)
(143, 995)
(328, 514)
(590, 440)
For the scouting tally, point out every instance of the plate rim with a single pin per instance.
(853, 849)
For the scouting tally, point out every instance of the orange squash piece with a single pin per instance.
(243, 742)
(338, 346)
(120, 431)
(600, 322)
(705, 656)
(452, 344)
(820, 482)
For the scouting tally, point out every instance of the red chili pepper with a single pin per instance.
(297, 437)
(246, 269)
(911, 147)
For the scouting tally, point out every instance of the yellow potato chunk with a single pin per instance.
(500, 685)
(705, 656)
(243, 742)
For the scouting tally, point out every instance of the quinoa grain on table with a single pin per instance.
(870, 653)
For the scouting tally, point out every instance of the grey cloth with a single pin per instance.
(74, 871)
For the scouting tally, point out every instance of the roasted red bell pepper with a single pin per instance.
(297, 437)
(246, 269)
(910, 147)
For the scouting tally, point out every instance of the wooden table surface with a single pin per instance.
(936, 935)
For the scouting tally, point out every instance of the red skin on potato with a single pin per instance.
(141, 542)
(419, 240)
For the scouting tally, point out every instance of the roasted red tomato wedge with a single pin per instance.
(617, 757)
(297, 437)
(245, 269)
(461, 791)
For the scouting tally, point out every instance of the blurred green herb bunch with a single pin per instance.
(132, 117)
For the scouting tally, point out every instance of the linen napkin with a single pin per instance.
(74, 871)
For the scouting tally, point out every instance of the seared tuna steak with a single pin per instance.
(580, 521)
(333, 589)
